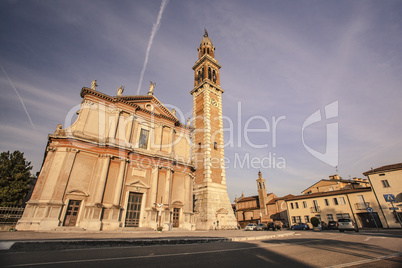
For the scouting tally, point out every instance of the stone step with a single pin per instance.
(68, 229)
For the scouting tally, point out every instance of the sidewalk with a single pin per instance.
(30, 241)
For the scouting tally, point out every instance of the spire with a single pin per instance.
(206, 46)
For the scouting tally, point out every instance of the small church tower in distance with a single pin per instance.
(262, 197)
(212, 206)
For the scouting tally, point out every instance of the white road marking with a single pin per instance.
(6, 245)
(365, 261)
(371, 237)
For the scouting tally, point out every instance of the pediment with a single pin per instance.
(78, 192)
(139, 184)
(222, 211)
(151, 104)
(177, 204)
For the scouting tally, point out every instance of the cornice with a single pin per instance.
(206, 57)
(127, 100)
(206, 81)
(113, 146)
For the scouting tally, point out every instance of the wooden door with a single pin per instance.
(133, 210)
(176, 217)
(72, 213)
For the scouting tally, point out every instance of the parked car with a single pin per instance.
(300, 226)
(250, 227)
(276, 225)
(260, 227)
(347, 225)
(332, 225)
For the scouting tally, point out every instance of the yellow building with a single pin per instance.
(336, 183)
(387, 183)
(335, 205)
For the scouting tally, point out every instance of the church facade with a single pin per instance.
(128, 162)
(125, 162)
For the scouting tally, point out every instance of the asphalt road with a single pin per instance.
(305, 249)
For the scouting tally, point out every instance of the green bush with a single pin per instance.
(315, 221)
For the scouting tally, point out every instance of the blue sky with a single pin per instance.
(280, 59)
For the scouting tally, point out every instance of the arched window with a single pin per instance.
(209, 73)
(215, 146)
(204, 50)
(199, 77)
(214, 76)
(199, 146)
(208, 51)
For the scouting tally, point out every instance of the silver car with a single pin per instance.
(347, 225)
(260, 227)
(250, 227)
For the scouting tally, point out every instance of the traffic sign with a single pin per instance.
(369, 209)
(389, 197)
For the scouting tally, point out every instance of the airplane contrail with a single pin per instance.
(15, 89)
(155, 28)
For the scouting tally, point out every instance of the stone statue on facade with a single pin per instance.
(189, 121)
(58, 129)
(120, 91)
(174, 111)
(151, 88)
(94, 85)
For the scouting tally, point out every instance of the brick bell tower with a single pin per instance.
(212, 206)
(262, 197)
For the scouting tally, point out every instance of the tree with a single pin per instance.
(15, 177)
(315, 221)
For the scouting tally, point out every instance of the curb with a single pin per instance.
(236, 239)
(48, 245)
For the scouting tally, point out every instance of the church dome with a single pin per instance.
(206, 46)
(206, 41)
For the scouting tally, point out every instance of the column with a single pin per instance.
(154, 185)
(102, 179)
(119, 183)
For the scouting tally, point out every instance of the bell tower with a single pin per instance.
(211, 201)
(262, 196)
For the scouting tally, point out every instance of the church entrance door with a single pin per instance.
(72, 213)
(176, 215)
(133, 210)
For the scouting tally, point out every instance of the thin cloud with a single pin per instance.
(21, 100)
(151, 39)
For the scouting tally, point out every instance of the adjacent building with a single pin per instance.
(334, 199)
(262, 208)
(335, 205)
(336, 183)
(387, 188)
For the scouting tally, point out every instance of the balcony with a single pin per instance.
(362, 206)
(315, 209)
